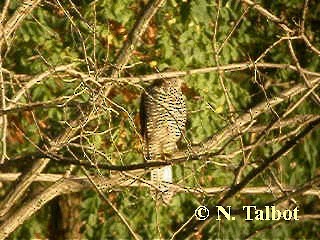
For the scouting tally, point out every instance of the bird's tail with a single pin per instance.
(161, 177)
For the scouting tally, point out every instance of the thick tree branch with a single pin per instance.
(25, 180)
(15, 21)
(194, 225)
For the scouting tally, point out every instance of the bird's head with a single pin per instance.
(174, 82)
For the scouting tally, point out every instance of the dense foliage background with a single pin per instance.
(67, 100)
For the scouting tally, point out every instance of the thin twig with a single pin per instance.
(79, 123)
(4, 14)
(168, 75)
(268, 15)
(15, 21)
(49, 177)
(134, 36)
(197, 225)
(104, 198)
(304, 77)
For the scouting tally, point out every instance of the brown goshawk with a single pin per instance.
(163, 120)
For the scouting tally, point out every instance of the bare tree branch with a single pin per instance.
(268, 15)
(15, 21)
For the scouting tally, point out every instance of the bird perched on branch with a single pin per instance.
(163, 120)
